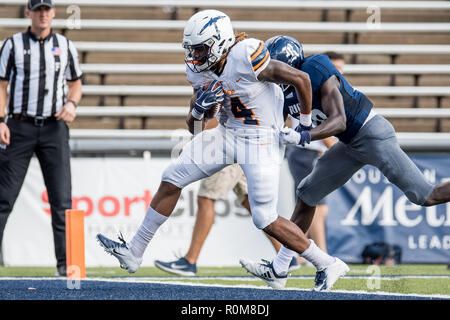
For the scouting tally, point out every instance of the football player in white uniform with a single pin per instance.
(238, 74)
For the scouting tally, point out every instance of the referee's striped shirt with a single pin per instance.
(37, 70)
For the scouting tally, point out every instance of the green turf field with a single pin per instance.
(416, 279)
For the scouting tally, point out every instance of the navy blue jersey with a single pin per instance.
(357, 106)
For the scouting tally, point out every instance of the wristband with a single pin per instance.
(2, 119)
(73, 102)
(305, 119)
(197, 115)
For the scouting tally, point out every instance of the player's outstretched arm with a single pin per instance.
(333, 107)
(280, 72)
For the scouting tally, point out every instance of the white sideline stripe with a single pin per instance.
(245, 286)
(191, 284)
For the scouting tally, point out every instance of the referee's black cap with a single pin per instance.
(34, 4)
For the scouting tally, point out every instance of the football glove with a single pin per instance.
(291, 136)
(303, 128)
(207, 98)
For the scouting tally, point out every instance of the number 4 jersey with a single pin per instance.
(248, 102)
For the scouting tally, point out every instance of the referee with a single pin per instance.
(37, 64)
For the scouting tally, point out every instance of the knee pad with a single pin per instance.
(173, 175)
(263, 214)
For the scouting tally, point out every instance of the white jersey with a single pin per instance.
(248, 102)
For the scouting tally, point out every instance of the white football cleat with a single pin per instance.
(326, 277)
(121, 251)
(266, 272)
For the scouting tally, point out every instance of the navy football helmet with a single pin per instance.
(286, 49)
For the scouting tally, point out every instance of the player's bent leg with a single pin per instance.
(332, 170)
(376, 144)
(217, 186)
(179, 174)
(262, 195)
(400, 170)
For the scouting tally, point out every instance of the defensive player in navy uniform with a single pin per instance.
(364, 138)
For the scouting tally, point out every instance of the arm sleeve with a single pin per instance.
(257, 55)
(73, 71)
(6, 59)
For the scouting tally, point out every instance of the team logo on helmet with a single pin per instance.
(212, 21)
(290, 53)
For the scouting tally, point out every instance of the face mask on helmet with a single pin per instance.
(199, 57)
(287, 50)
(208, 35)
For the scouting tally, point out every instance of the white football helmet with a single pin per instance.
(208, 34)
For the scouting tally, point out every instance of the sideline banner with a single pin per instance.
(115, 192)
(369, 209)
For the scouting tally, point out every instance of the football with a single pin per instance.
(214, 111)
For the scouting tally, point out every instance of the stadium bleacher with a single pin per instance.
(132, 57)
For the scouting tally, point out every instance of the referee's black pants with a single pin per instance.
(50, 143)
